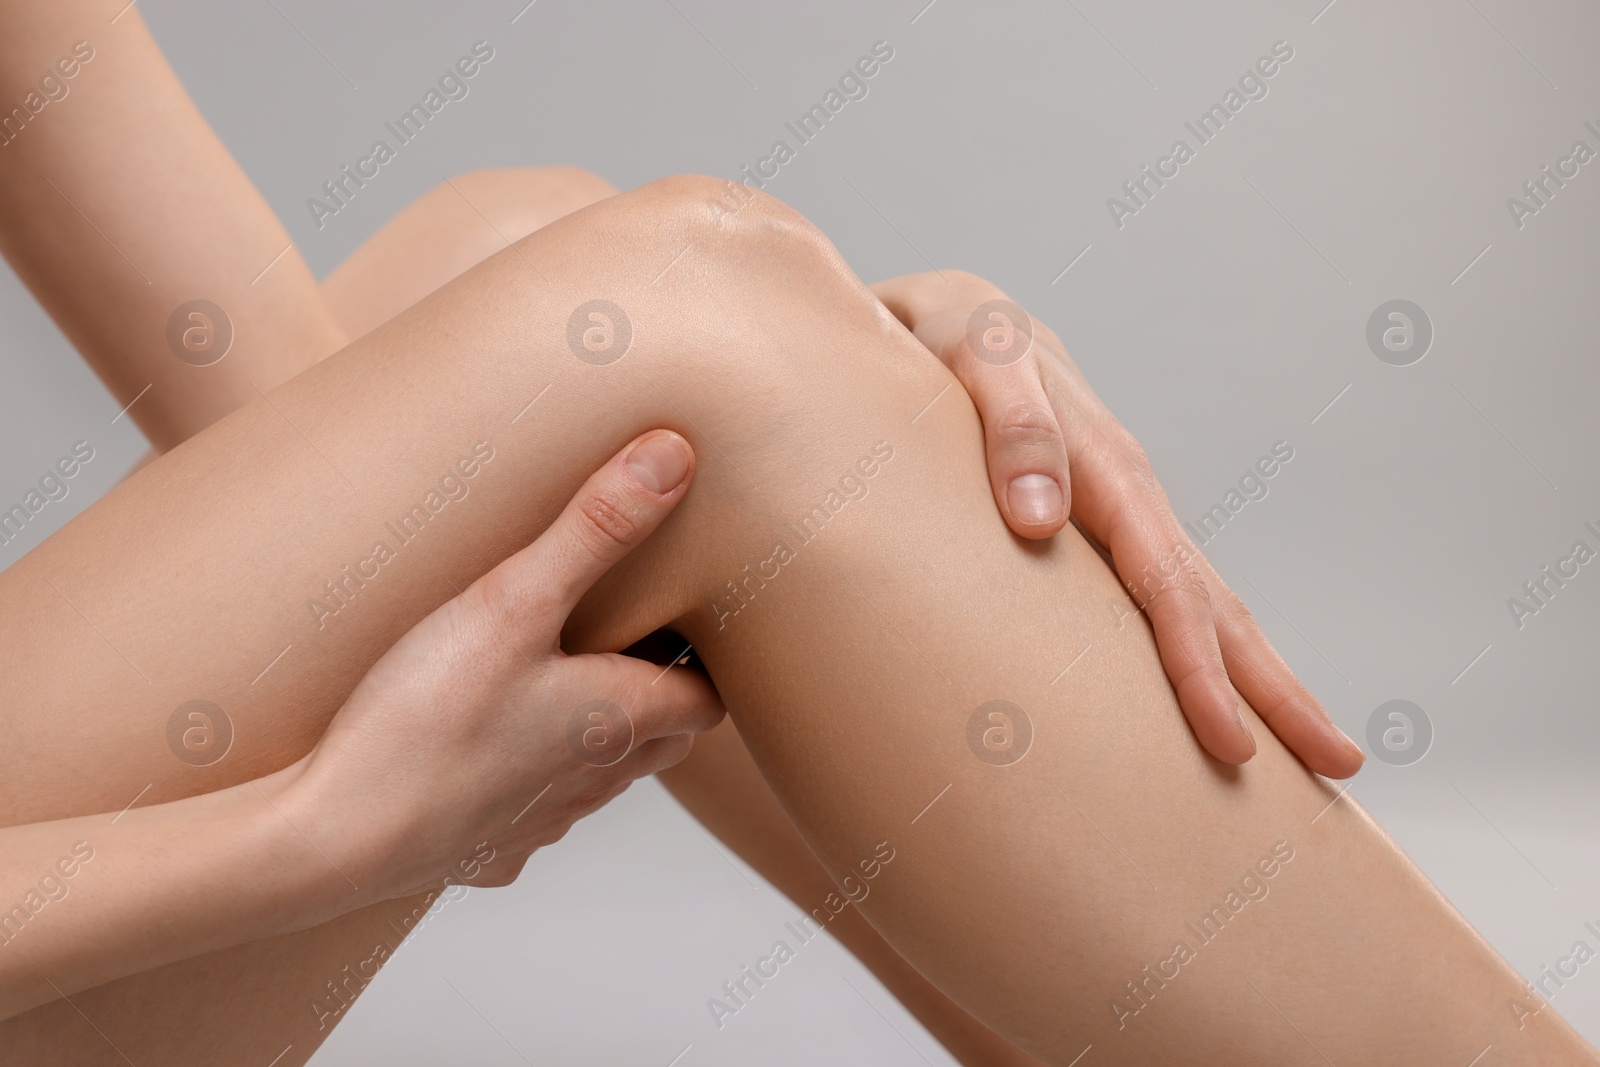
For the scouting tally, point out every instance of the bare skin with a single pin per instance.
(445, 351)
(859, 754)
(115, 281)
(119, 225)
(452, 228)
(97, 291)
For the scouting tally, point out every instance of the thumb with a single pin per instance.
(616, 509)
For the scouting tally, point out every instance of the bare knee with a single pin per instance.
(707, 285)
(716, 254)
(752, 338)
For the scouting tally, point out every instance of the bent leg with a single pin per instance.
(453, 228)
(304, 963)
(856, 598)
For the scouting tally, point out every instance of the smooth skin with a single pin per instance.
(442, 343)
(67, 227)
(114, 220)
(457, 734)
(1030, 893)
(281, 328)
(453, 227)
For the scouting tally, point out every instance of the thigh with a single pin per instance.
(345, 463)
(884, 644)
(265, 563)
(444, 233)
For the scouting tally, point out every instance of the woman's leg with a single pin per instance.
(452, 228)
(860, 604)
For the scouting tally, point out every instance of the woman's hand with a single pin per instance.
(1041, 420)
(475, 727)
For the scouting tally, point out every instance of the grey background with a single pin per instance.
(1226, 315)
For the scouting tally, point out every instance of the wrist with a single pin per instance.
(300, 849)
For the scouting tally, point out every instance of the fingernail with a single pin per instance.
(660, 462)
(1035, 499)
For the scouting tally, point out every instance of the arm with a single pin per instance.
(210, 233)
(1033, 892)
(453, 227)
(1040, 417)
(89, 900)
(116, 221)
(95, 898)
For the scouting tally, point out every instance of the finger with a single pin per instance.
(655, 756)
(1026, 455)
(616, 509)
(663, 701)
(1122, 507)
(1284, 704)
(1105, 470)
(988, 343)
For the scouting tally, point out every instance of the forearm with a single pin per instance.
(853, 658)
(116, 222)
(88, 900)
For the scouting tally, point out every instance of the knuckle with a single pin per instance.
(501, 878)
(674, 749)
(1124, 448)
(1187, 585)
(1027, 423)
(603, 524)
(513, 870)
(553, 831)
(1230, 607)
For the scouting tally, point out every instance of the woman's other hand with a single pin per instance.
(475, 736)
(1054, 453)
